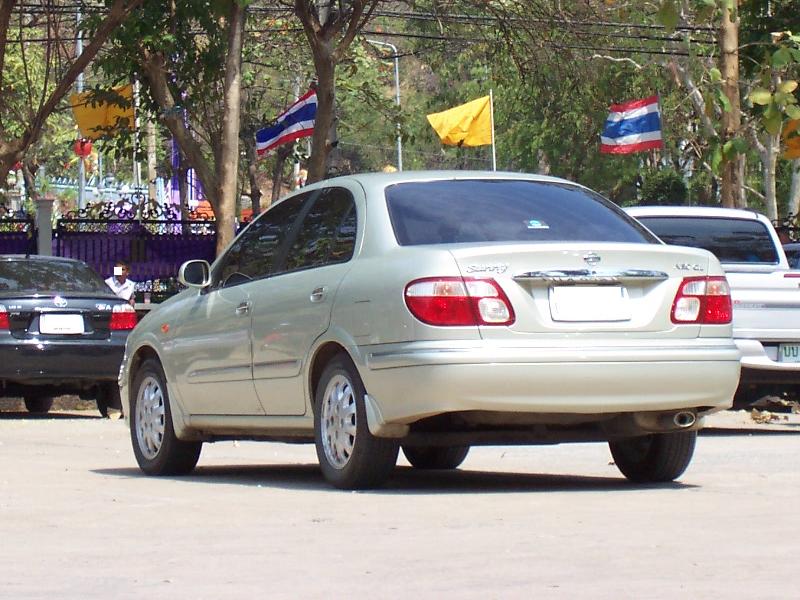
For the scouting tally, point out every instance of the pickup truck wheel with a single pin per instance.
(38, 404)
(435, 457)
(350, 457)
(155, 445)
(654, 458)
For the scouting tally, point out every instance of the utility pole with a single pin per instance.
(81, 166)
(732, 118)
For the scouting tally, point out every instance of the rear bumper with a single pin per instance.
(760, 363)
(414, 381)
(79, 363)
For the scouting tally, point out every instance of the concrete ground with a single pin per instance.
(78, 520)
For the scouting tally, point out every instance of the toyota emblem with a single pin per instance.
(60, 302)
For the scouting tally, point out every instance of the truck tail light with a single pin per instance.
(123, 317)
(458, 301)
(5, 325)
(703, 300)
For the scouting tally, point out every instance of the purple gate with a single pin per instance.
(155, 248)
(17, 232)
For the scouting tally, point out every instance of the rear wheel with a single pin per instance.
(158, 450)
(38, 404)
(435, 457)
(654, 458)
(350, 457)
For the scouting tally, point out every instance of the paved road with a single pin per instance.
(77, 520)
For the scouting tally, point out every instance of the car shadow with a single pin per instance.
(786, 429)
(406, 480)
(51, 416)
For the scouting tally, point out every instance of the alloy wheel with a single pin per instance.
(338, 426)
(150, 417)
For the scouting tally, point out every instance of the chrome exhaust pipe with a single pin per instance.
(684, 419)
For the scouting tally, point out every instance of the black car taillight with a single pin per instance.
(123, 318)
(4, 323)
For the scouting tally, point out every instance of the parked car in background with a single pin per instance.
(792, 251)
(62, 331)
(766, 292)
(434, 311)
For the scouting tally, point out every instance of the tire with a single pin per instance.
(659, 457)
(38, 404)
(435, 457)
(350, 457)
(158, 450)
(108, 397)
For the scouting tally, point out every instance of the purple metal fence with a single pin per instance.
(155, 248)
(17, 232)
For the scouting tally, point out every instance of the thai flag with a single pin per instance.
(632, 127)
(294, 123)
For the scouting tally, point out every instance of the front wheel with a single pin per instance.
(158, 450)
(654, 458)
(38, 404)
(434, 457)
(350, 457)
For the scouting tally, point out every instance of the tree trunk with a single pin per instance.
(281, 155)
(151, 161)
(252, 172)
(794, 191)
(326, 104)
(731, 119)
(228, 165)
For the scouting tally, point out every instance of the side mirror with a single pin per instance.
(195, 273)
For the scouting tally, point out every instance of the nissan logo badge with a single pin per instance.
(591, 258)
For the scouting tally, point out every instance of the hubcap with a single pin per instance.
(338, 421)
(150, 417)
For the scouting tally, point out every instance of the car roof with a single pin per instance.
(694, 211)
(380, 180)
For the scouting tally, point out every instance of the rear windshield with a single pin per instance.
(31, 276)
(730, 240)
(447, 212)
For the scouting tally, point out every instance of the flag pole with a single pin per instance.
(491, 118)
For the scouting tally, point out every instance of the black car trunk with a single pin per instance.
(59, 317)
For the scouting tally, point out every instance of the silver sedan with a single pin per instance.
(433, 311)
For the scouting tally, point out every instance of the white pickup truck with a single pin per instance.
(765, 291)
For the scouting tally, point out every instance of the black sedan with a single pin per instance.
(62, 331)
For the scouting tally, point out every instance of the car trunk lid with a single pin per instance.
(50, 317)
(587, 289)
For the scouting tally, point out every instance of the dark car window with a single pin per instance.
(327, 234)
(443, 212)
(255, 252)
(50, 276)
(730, 240)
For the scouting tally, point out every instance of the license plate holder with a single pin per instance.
(585, 303)
(60, 324)
(789, 353)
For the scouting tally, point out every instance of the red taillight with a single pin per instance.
(457, 301)
(4, 323)
(703, 300)
(123, 317)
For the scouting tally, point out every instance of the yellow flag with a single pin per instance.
(469, 124)
(96, 120)
(791, 139)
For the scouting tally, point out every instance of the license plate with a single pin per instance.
(60, 324)
(582, 303)
(789, 353)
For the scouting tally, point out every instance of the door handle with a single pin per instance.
(243, 308)
(318, 295)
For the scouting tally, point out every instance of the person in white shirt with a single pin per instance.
(120, 284)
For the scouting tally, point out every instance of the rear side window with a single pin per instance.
(470, 211)
(45, 276)
(730, 240)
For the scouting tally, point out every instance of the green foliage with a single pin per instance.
(663, 187)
